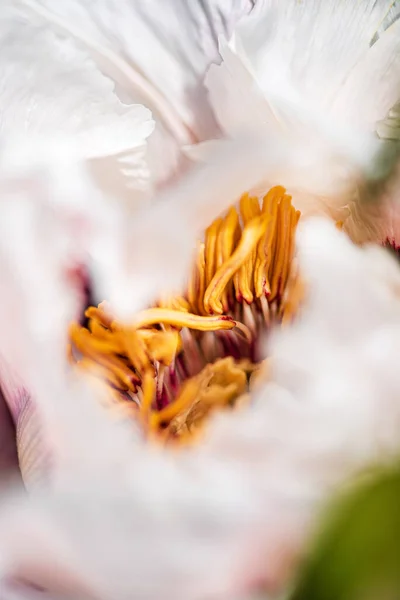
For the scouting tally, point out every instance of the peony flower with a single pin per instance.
(200, 453)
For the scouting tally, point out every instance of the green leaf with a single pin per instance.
(357, 556)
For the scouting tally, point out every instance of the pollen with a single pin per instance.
(179, 361)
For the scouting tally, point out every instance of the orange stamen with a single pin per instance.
(250, 236)
(165, 367)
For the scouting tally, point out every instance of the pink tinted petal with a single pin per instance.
(33, 455)
(8, 449)
(13, 400)
(14, 590)
(22, 446)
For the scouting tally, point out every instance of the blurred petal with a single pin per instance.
(51, 87)
(219, 518)
(47, 202)
(12, 590)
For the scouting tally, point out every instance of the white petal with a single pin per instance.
(169, 78)
(52, 219)
(183, 38)
(238, 102)
(373, 86)
(309, 62)
(51, 87)
(316, 44)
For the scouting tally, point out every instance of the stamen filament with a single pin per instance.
(153, 316)
(250, 236)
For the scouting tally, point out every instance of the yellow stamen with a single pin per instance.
(87, 344)
(228, 238)
(99, 314)
(152, 316)
(211, 249)
(249, 210)
(134, 348)
(93, 367)
(264, 248)
(149, 391)
(281, 245)
(173, 364)
(163, 346)
(175, 303)
(197, 283)
(217, 385)
(251, 234)
(187, 396)
(294, 297)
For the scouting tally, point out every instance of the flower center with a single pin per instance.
(188, 355)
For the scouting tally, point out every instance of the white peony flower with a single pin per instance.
(182, 439)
